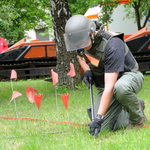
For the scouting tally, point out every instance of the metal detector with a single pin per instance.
(92, 110)
(82, 54)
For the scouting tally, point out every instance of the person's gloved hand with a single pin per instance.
(78, 52)
(88, 78)
(95, 127)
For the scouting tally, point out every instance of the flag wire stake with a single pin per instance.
(67, 110)
(74, 97)
(58, 115)
(39, 119)
(15, 113)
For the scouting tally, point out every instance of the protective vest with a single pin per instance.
(98, 48)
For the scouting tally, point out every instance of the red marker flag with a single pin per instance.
(65, 98)
(15, 95)
(54, 78)
(38, 99)
(72, 71)
(30, 92)
(13, 75)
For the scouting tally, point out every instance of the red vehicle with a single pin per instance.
(29, 59)
(139, 44)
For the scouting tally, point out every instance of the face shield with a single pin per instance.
(77, 40)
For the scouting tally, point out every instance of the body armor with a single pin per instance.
(97, 51)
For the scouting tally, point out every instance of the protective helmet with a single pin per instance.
(77, 32)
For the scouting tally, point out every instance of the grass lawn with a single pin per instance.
(59, 134)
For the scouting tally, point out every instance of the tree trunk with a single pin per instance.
(60, 12)
(136, 8)
(148, 15)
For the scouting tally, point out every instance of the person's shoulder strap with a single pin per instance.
(106, 35)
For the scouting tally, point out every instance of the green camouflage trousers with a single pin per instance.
(124, 107)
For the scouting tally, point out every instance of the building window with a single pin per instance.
(41, 38)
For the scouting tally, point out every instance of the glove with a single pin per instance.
(95, 127)
(88, 78)
(78, 52)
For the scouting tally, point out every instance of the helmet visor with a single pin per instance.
(77, 40)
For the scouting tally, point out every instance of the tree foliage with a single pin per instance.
(79, 6)
(134, 9)
(20, 16)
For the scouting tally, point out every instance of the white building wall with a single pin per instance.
(127, 26)
(31, 34)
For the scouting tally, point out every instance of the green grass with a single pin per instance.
(40, 135)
